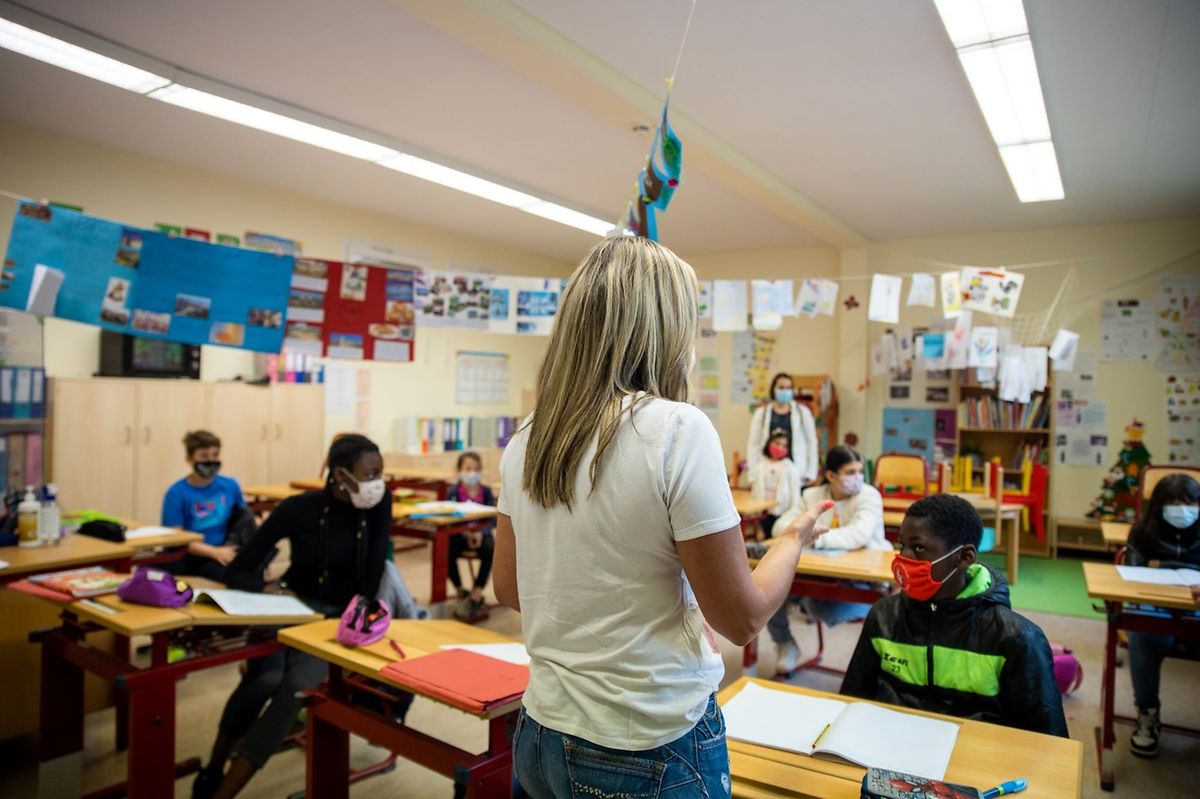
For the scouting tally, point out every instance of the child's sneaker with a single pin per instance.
(787, 657)
(1144, 741)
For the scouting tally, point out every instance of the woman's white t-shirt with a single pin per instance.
(619, 652)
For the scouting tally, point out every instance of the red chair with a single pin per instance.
(1033, 501)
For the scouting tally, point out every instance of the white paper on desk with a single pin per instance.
(247, 603)
(876, 737)
(3, 564)
(147, 532)
(779, 719)
(450, 508)
(510, 653)
(1146, 574)
(884, 305)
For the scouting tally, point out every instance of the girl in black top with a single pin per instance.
(339, 539)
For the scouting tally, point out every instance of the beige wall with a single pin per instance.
(123, 186)
(1114, 262)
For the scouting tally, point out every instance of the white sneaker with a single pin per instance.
(1144, 741)
(787, 657)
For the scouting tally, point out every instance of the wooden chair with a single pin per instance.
(1002, 512)
(1155, 472)
(1035, 481)
(902, 479)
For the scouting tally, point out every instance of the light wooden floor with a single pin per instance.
(1175, 773)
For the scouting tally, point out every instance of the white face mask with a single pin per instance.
(369, 493)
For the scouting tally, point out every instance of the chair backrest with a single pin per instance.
(1155, 472)
(908, 473)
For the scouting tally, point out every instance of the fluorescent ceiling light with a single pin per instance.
(35, 44)
(270, 122)
(1033, 169)
(58, 52)
(993, 45)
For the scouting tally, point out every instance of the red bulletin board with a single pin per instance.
(369, 313)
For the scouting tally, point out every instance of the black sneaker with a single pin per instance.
(206, 784)
(1144, 741)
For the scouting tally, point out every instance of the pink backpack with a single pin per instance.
(1068, 671)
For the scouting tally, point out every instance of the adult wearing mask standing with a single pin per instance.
(782, 412)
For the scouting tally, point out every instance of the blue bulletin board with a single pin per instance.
(909, 430)
(148, 283)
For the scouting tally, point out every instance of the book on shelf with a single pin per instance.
(990, 413)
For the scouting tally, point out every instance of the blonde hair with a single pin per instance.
(626, 324)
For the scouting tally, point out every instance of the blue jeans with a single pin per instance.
(826, 611)
(552, 765)
(1146, 655)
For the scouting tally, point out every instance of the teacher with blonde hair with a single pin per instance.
(619, 544)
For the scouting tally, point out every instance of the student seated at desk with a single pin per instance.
(203, 502)
(776, 478)
(469, 488)
(339, 538)
(1167, 536)
(951, 643)
(855, 522)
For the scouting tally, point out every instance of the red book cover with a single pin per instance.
(461, 678)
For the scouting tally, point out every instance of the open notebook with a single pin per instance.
(1147, 574)
(860, 732)
(247, 603)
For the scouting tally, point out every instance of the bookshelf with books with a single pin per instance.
(1013, 433)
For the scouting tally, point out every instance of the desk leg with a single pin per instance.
(1106, 735)
(151, 764)
(1012, 554)
(60, 739)
(327, 751)
(439, 567)
(123, 649)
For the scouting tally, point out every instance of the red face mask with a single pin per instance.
(915, 577)
(777, 452)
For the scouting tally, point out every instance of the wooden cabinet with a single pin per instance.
(241, 416)
(116, 444)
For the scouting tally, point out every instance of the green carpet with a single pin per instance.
(1048, 586)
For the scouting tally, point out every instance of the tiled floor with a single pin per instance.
(1175, 773)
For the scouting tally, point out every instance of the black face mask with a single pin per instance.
(206, 469)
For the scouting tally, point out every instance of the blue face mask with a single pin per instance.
(1181, 517)
(469, 478)
(784, 395)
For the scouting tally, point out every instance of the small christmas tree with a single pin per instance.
(1118, 495)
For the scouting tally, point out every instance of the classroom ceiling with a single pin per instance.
(804, 123)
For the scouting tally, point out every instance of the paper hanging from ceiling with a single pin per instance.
(537, 305)
(730, 303)
(704, 299)
(958, 342)
(809, 300)
(993, 291)
(772, 301)
(1127, 332)
(1063, 350)
(884, 305)
(921, 291)
(828, 301)
(502, 301)
(1179, 322)
(983, 350)
(951, 292)
(1035, 364)
(453, 299)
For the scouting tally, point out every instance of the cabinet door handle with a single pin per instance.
(278, 431)
(264, 431)
(147, 438)
(128, 435)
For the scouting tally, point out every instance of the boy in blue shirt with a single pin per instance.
(203, 502)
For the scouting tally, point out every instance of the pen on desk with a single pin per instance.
(817, 742)
(397, 648)
(1005, 788)
(94, 605)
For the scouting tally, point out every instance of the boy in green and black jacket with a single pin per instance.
(952, 643)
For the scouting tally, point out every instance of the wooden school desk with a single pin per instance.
(265, 498)
(750, 509)
(1105, 582)
(1010, 521)
(984, 755)
(149, 719)
(828, 576)
(1115, 534)
(437, 529)
(332, 717)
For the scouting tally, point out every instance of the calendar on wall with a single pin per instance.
(481, 378)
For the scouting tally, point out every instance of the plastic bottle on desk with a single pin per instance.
(27, 520)
(50, 518)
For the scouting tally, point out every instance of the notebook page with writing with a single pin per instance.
(874, 736)
(779, 719)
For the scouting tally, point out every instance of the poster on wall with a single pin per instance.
(502, 312)
(453, 299)
(537, 303)
(371, 316)
(909, 430)
(706, 375)
(752, 356)
(1081, 433)
(1179, 323)
(1127, 332)
(1183, 419)
(704, 299)
(140, 281)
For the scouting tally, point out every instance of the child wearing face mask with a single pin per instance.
(855, 522)
(950, 641)
(339, 543)
(776, 478)
(1167, 536)
(470, 488)
(203, 502)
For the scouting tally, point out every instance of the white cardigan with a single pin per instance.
(804, 440)
(860, 519)
(787, 490)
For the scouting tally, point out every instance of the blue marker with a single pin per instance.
(1012, 786)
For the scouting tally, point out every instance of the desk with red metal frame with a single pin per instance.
(750, 509)
(332, 717)
(830, 576)
(1105, 583)
(73, 552)
(149, 691)
(438, 530)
